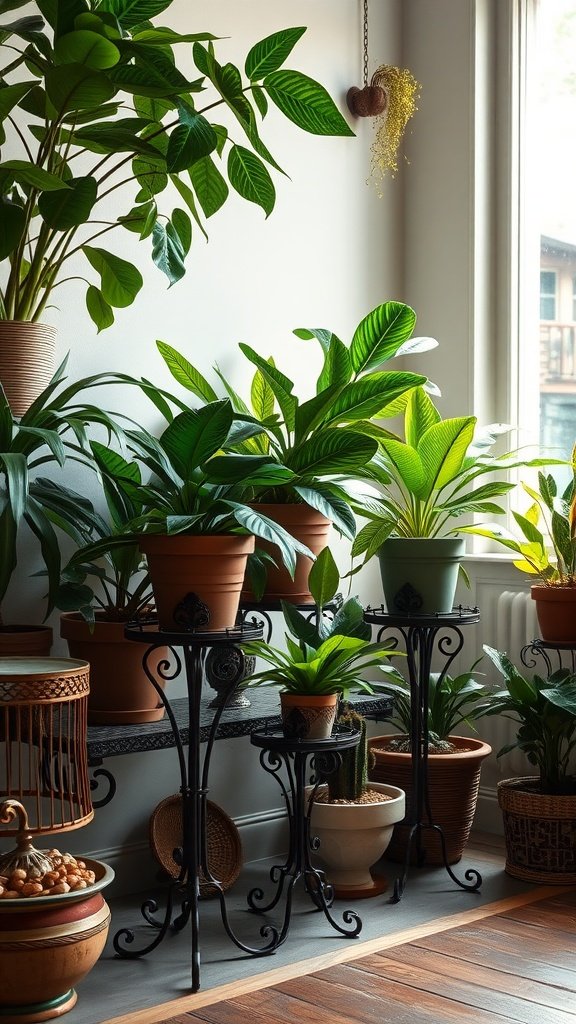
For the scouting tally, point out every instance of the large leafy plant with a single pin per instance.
(91, 101)
(179, 495)
(325, 441)
(435, 478)
(545, 710)
(52, 429)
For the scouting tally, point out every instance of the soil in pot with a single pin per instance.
(306, 525)
(453, 783)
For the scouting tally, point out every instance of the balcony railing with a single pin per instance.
(557, 351)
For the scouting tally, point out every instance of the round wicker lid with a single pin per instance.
(224, 848)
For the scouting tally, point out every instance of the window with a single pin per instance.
(547, 295)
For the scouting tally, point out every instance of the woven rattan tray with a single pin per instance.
(222, 839)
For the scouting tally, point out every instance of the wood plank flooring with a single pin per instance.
(509, 962)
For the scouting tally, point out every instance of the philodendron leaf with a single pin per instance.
(87, 48)
(134, 12)
(120, 280)
(323, 578)
(100, 311)
(71, 206)
(75, 87)
(194, 436)
(186, 374)
(380, 334)
(270, 53)
(167, 251)
(191, 140)
(209, 185)
(141, 218)
(26, 173)
(12, 95)
(306, 103)
(250, 178)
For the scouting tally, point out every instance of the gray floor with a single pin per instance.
(116, 986)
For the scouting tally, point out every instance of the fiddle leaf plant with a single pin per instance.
(93, 101)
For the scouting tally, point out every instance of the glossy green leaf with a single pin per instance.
(380, 334)
(120, 137)
(250, 178)
(323, 578)
(69, 207)
(420, 415)
(29, 174)
(407, 463)
(305, 102)
(320, 496)
(310, 414)
(133, 12)
(259, 97)
(336, 368)
(163, 36)
(209, 185)
(187, 195)
(151, 179)
(191, 140)
(270, 53)
(120, 280)
(87, 48)
(100, 311)
(261, 396)
(61, 14)
(368, 396)
(442, 449)
(182, 225)
(141, 218)
(75, 87)
(167, 251)
(186, 374)
(11, 95)
(281, 385)
(194, 436)
(251, 470)
(12, 225)
(159, 77)
(332, 451)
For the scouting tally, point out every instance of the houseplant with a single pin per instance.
(430, 482)
(454, 761)
(548, 554)
(539, 811)
(195, 536)
(69, 70)
(325, 440)
(49, 431)
(354, 819)
(324, 659)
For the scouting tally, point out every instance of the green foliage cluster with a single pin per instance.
(92, 94)
(545, 710)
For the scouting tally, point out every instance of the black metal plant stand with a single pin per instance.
(277, 752)
(422, 635)
(192, 857)
(549, 652)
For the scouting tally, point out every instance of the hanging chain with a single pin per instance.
(365, 42)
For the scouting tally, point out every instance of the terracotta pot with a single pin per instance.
(453, 783)
(353, 837)
(47, 948)
(26, 361)
(306, 525)
(539, 832)
(120, 691)
(25, 641)
(556, 611)
(197, 580)
(308, 717)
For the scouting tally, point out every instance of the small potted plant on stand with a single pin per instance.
(325, 441)
(324, 659)
(429, 480)
(454, 762)
(354, 819)
(548, 554)
(539, 811)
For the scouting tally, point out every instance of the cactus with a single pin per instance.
(349, 781)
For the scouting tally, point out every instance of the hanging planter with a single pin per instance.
(26, 361)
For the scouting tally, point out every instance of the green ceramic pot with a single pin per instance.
(419, 575)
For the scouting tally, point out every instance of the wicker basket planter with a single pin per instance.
(540, 832)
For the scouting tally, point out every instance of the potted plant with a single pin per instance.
(548, 554)
(48, 432)
(69, 70)
(430, 482)
(324, 441)
(324, 659)
(539, 811)
(353, 818)
(454, 761)
(196, 537)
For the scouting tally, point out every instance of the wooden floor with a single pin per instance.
(516, 963)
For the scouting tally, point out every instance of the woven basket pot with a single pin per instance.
(197, 580)
(556, 611)
(540, 832)
(453, 783)
(310, 528)
(26, 361)
(120, 691)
